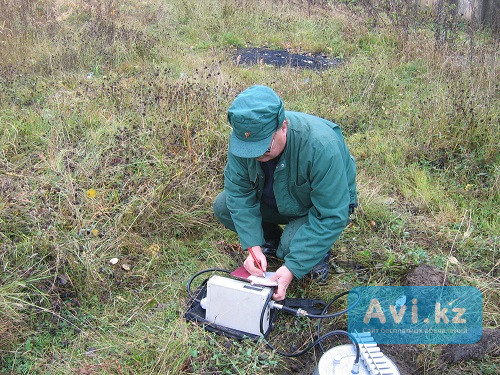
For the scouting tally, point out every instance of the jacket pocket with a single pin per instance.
(302, 193)
(256, 180)
(252, 176)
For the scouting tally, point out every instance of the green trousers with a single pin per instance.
(269, 215)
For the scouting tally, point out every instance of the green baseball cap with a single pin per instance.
(254, 115)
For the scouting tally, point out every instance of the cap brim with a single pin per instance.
(247, 149)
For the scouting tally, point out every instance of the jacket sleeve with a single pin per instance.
(242, 202)
(328, 215)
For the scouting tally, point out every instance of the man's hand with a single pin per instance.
(284, 277)
(250, 265)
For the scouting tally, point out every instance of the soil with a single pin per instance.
(404, 356)
(280, 58)
(426, 275)
(489, 344)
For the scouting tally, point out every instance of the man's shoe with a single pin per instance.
(272, 236)
(320, 270)
(270, 247)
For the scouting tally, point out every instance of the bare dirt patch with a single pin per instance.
(426, 275)
(489, 344)
(280, 58)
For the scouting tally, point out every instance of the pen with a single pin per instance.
(256, 261)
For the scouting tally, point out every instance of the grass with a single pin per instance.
(113, 136)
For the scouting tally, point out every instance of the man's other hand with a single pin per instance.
(284, 277)
(250, 265)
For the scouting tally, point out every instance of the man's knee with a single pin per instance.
(221, 211)
(220, 206)
(288, 233)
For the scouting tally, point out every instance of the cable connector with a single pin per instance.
(355, 368)
(296, 312)
(204, 303)
(274, 305)
(301, 312)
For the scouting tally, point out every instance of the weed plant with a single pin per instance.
(113, 139)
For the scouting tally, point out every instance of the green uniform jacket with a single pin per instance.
(315, 176)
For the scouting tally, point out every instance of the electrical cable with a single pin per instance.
(333, 315)
(204, 282)
(313, 316)
(338, 313)
(316, 342)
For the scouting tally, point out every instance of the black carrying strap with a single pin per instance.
(312, 306)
